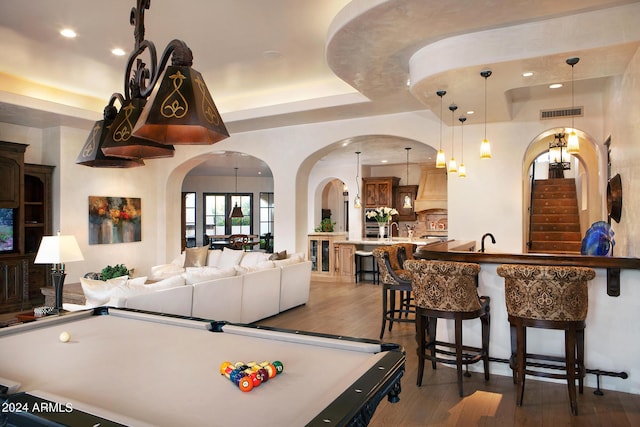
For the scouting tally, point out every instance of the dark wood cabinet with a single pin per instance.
(379, 192)
(402, 192)
(27, 191)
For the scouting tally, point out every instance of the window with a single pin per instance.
(189, 220)
(217, 207)
(266, 213)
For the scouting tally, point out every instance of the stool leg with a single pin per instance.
(385, 309)
(513, 362)
(580, 360)
(420, 337)
(432, 323)
(570, 355)
(485, 321)
(392, 307)
(458, 341)
(521, 360)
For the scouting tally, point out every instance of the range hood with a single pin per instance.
(432, 189)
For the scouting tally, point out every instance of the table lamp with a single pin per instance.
(57, 250)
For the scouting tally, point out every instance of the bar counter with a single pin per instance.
(612, 338)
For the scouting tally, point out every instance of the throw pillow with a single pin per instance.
(230, 258)
(213, 257)
(165, 270)
(197, 275)
(97, 292)
(196, 257)
(278, 255)
(258, 267)
(251, 259)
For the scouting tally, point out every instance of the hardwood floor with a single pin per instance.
(347, 309)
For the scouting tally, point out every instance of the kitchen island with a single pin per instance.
(612, 342)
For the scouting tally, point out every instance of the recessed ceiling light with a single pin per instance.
(384, 161)
(117, 51)
(527, 74)
(271, 54)
(68, 33)
(555, 86)
(471, 112)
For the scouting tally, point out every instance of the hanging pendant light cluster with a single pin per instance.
(407, 199)
(573, 145)
(485, 146)
(462, 170)
(161, 106)
(441, 161)
(357, 203)
(453, 167)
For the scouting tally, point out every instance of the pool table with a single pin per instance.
(126, 367)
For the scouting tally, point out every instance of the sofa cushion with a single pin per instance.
(196, 257)
(258, 267)
(292, 259)
(135, 287)
(164, 271)
(214, 257)
(200, 274)
(252, 259)
(98, 292)
(230, 258)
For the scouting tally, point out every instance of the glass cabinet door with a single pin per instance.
(313, 254)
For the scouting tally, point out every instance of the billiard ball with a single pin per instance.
(279, 366)
(64, 336)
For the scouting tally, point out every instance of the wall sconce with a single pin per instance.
(357, 203)
(485, 147)
(453, 167)
(441, 161)
(162, 105)
(573, 145)
(462, 170)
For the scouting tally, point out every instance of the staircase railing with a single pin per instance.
(533, 178)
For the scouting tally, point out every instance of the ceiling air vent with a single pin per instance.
(561, 112)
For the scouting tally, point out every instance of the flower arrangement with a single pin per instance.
(382, 214)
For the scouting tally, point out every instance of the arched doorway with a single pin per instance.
(584, 171)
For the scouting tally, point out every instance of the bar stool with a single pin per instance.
(448, 290)
(359, 256)
(395, 282)
(550, 298)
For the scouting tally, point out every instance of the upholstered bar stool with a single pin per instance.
(396, 286)
(448, 290)
(361, 256)
(550, 298)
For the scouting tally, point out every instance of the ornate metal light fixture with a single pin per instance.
(453, 167)
(462, 170)
(559, 159)
(573, 145)
(441, 161)
(162, 105)
(485, 147)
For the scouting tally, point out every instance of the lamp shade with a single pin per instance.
(58, 250)
(236, 212)
(121, 142)
(92, 155)
(180, 110)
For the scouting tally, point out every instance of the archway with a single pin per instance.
(585, 169)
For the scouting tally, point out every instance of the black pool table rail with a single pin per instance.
(354, 407)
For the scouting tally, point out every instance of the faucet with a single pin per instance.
(484, 236)
(391, 230)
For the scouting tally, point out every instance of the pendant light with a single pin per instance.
(441, 161)
(462, 171)
(453, 167)
(485, 147)
(236, 212)
(407, 198)
(573, 145)
(357, 203)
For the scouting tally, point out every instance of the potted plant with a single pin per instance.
(325, 225)
(110, 272)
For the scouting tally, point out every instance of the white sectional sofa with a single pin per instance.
(234, 286)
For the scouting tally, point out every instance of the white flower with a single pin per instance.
(382, 214)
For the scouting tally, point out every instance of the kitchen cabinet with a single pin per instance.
(379, 191)
(322, 254)
(410, 191)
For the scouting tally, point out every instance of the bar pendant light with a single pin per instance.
(573, 145)
(357, 203)
(236, 212)
(453, 167)
(462, 170)
(407, 198)
(485, 147)
(441, 161)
